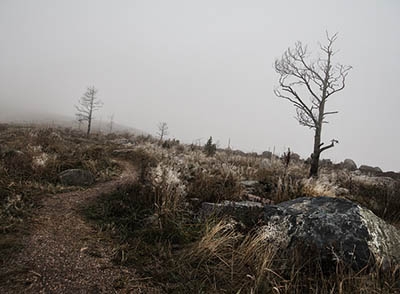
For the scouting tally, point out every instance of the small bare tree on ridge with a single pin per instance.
(162, 130)
(88, 103)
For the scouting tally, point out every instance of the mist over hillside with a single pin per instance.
(100, 124)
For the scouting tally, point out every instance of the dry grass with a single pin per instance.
(31, 159)
(160, 233)
(226, 261)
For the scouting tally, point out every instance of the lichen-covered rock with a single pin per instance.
(384, 241)
(336, 229)
(76, 177)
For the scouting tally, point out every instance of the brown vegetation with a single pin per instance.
(157, 229)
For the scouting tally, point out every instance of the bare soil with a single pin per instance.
(65, 254)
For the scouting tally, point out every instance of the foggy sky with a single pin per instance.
(206, 68)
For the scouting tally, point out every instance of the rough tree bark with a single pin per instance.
(301, 77)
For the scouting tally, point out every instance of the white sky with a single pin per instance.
(206, 68)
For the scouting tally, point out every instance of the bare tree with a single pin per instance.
(111, 123)
(162, 130)
(88, 103)
(309, 84)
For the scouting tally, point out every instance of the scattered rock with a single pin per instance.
(255, 188)
(76, 177)
(341, 191)
(122, 141)
(122, 152)
(326, 163)
(336, 229)
(391, 174)
(377, 193)
(373, 181)
(366, 169)
(247, 212)
(349, 164)
(267, 154)
(255, 198)
(249, 184)
(295, 157)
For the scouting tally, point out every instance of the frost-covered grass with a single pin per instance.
(31, 159)
(155, 221)
(161, 234)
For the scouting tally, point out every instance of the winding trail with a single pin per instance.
(66, 254)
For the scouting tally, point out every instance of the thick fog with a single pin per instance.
(206, 68)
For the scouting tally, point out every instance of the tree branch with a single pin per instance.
(328, 146)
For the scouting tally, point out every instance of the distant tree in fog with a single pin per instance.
(308, 84)
(88, 103)
(111, 123)
(210, 148)
(162, 130)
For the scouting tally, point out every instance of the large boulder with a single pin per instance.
(336, 229)
(349, 164)
(76, 177)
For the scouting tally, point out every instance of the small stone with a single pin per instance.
(76, 177)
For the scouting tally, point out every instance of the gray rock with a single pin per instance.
(377, 193)
(121, 141)
(333, 228)
(247, 212)
(76, 177)
(349, 164)
(366, 169)
(267, 154)
(255, 188)
(249, 184)
(294, 157)
(341, 191)
(326, 162)
(122, 152)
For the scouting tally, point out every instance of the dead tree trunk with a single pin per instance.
(87, 105)
(318, 80)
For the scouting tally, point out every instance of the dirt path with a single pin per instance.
(65, 254)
